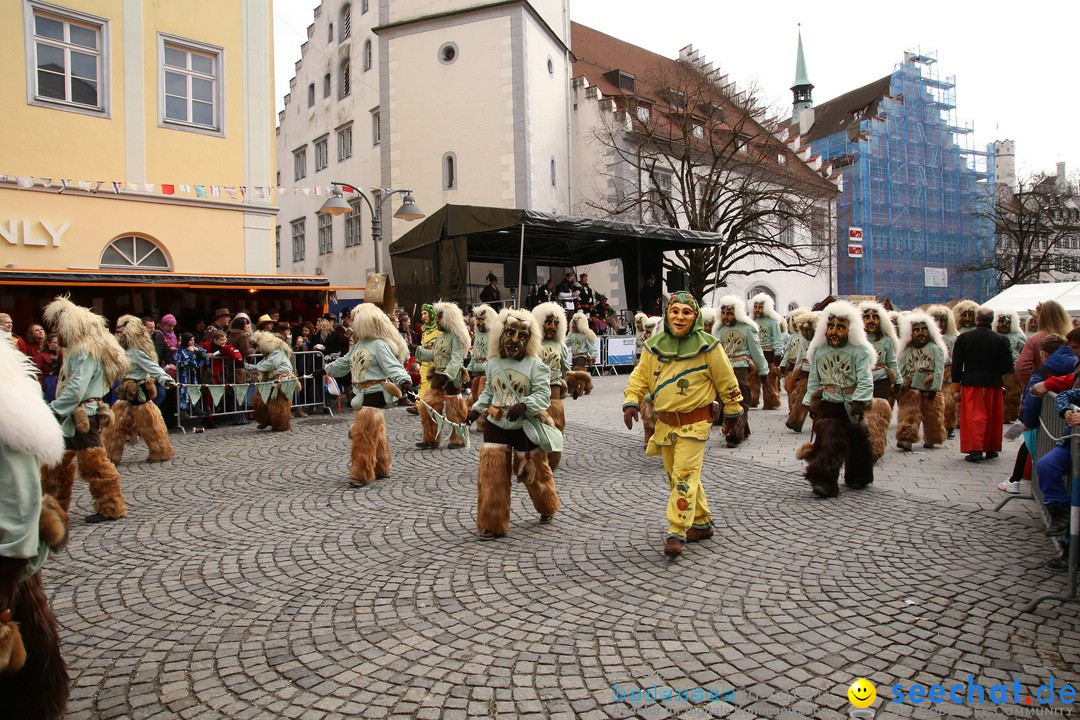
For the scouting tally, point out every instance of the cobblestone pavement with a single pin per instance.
(248, 581)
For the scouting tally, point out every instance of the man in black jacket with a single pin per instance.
(980, 358)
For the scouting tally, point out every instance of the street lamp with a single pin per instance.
(337, 205)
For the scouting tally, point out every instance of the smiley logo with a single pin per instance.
(862, 693)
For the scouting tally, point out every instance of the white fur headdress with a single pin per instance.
(962, 306)
(909, 319)
(82, 330)
(371, 323)
(580, 323)
(770, 310)
(639, 320)
(486, 313)
(883, 318)
(551, 309)
(940, 311)
(453, 322)
(26, 422)
(131, 333)
(740, 310)
(1014, 320)
(267, 342)
(708, 316)
(517, 315)
(856, 333)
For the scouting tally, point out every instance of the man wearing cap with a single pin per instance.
(490, 294)
(222, 317)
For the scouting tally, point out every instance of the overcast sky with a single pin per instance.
(1016, 65)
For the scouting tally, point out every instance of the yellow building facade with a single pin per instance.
(138, 140)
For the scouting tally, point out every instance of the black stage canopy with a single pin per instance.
(431, 260)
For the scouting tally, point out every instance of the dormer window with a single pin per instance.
(625, 81)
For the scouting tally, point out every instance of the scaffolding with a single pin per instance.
(914, 183)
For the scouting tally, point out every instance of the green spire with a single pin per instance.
(801, 90)
(801, 79)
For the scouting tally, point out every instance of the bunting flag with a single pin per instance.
(264, 390)
(193, 393)
(442, 422)
(288, 387)
(216, 393)
(25, 182)
(168, 189)
(200, 191)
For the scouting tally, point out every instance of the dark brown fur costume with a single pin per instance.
(145, 418)
(493, 489)
(275, 414)
(1013, 396)
(370, 447)
(878, 416)
(558, 416)
(578, 382)
(839, 443)
(797, 416)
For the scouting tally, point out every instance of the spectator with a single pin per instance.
(303, 343)
(546, 292)
(168, 330)
(49, 361)
(5, 333)
(490, 294)
(1052, 318)
(586, 295)
(161, 347)
(652, 300)
(981, 357)
(265, 323)
(34, 342)
(222, 318)
(190, 359)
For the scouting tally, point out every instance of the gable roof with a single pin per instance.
(596, 55)
(836, 115)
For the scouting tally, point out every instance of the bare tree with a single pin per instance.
(686, 151)
(1036, 227)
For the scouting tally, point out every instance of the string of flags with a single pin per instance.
(265, 390)
(230, 192)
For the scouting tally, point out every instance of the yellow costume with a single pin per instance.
(430, 331)
(684, 375)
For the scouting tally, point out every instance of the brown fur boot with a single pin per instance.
(797, 416)
(878, 416)
(367, 425)
(789, 389)
(478, 384)
(770, 389)
(456, 411)
(1013, 393)
(558, 416)
(908, 418)
(933, 419)
(100, 474)
(437, 401)
(59, 480)
(648, 420)
(830, 450)
(578, 382)
(754, 380)
(950, 402)
(115, 436)
(53, 525)
(260, 411)
(151, 427)
(279, 412)
(541, 487)
(493, 491)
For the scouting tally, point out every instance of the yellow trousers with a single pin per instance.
(425, 368)
(687, 506)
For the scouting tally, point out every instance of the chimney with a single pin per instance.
(1061, 181)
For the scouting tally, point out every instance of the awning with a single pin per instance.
(431, 260)
(110, 278)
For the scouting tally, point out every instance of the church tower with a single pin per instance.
(801, 91)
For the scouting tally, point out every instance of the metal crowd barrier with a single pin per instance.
(228, 391)
(1052, 426)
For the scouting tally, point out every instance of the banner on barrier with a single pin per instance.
(621, 349)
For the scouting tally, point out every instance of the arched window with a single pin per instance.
(134, 252)
(344, 81)
(346, 21)
(757, 289)
(330, 33)
(326, 85)
(367, 54)
(553, 174)
(449, 168)
(311, 95)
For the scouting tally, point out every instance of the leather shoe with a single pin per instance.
(545, 519)
(98, 518)
(412, 410)
(673, 547)
(904, 445)
(427, 446)
(695, 535)
(455, 446)
(991, 455)
(974, 456)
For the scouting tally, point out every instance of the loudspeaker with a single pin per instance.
(510, 273)
(677, 281)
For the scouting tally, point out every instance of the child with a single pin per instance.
(190, 359)
(48, 364)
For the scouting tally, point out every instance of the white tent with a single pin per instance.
(1025, 297)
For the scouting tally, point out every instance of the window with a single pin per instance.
(367, 55)
(781, 159)
(344, 143)
(298, 239)
(346, 21)
(551, 66)
(134, 251)
(300, 163)
(660, 196)
(352, 224)
(363, 6)
(322, 154)
(330, 34)
(554, 176)
(344, 82)
(311, 95)
(326, 85)
(448, 53)
(191, 84)
(699, 131)
(642, 113)
(326, 233)
(449, 171)
(68, 59)
(376, 131)
(277, 246)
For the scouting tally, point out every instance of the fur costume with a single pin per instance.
(886, 371)
(965, 306)
(742, 344)
(806, 324)
(841, 381)
(921, 401)
(944, 316)
(484, 317)
(878, 416)
(769, 327)
(583, 350)
(518, 381)
(33, 677)
(379, 378)
(708, 319)
(135, 409)
(554, 353)
(447, 376)
(1013, 390)
(93, 361)
(794, 350)
(648, 410)
(639, 330)
(276, 364)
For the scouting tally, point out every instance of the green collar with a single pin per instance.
(671, 347)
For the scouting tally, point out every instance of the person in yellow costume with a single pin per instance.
(429, 330)
(685, 370)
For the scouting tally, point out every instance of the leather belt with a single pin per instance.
(737, 358)
(838, 389)
(689, 417)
